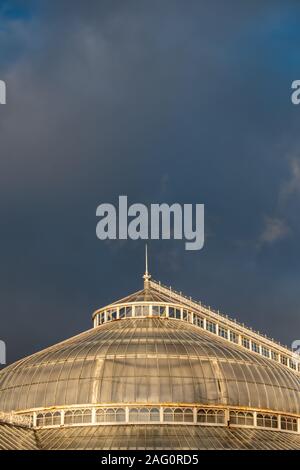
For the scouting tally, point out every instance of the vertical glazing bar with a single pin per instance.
(94, 415)
(195, 415)
(227, 416)
(62, 417)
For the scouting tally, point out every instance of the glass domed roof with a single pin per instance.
(146, 361)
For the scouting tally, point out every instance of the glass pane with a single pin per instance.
(154, 414)
(128, 311)
(155, 310)
(171, 312)
(163, 311)
(122, 312)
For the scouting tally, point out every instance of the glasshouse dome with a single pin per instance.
(157, 371)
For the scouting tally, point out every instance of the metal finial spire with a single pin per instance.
(146, 276)
(146, 259)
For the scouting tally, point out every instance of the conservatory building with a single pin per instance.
(158, 370)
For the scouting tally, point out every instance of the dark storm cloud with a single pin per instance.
(166, 102)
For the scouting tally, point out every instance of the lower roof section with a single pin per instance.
(165, 438)
(17, 438)
(145, 437)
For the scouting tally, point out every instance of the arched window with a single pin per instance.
(100, 415)
(78, 416)
(144, 414)
(168, 415)
(241, 418)
(87, 416)
(68, 417)
(133, 415)
(56, 418)
(267, 421)
(220, 416)
(154, 414)
(201, 416)
(288, 423)
(40, 419)
(188, 415)
(249, 419)
(260, 420)
(48, 419)
(110, 415)
(211, 416)
(274, 421)
(120, 415)
(178, 415)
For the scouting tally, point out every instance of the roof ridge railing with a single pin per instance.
(12, 418)
(218, 313)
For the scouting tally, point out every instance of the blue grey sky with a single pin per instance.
(167, 101)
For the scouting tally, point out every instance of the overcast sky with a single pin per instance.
(163, 101)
